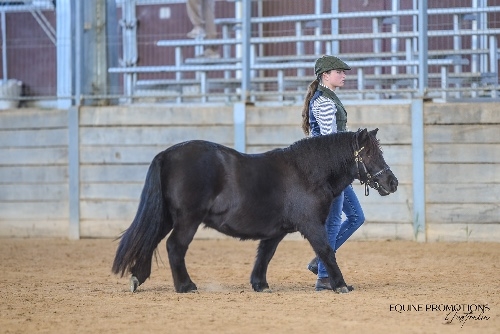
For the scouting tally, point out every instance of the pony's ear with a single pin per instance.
(362, 132)
(374, 132)
(362, 136)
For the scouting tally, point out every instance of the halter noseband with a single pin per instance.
(370, 179)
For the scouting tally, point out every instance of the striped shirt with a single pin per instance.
(322, 118)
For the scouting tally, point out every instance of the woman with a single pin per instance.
(322, 114)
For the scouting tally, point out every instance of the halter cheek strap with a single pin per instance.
(370, 180)
(359, 160)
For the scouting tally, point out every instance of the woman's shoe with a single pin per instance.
(313, 266)
(323, 284)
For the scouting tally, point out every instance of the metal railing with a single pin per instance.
(271, 60)
(458, 73)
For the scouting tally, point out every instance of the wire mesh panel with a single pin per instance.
(28, 48)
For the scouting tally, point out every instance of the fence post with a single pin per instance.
(74, 171)
(423, 46)
(239, 118)
(417, 129)
(245, 48)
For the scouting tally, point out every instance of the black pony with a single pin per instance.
(247, 196)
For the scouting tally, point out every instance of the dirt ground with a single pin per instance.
(62, 286)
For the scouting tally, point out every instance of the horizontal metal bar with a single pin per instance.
(354, 56)
(24, 8)
(279, 66)
(344, 93)
(191, 42)
(463, 10)
(182, 68)
(346, 56)
(370, 63)
(285, 39)
(430, 11)
(463, 32)
(368, 14)
(313, 38)
(152, 2)
(329, 16)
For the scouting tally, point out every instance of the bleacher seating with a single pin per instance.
(391, 74)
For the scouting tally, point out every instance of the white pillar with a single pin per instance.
(64, 59)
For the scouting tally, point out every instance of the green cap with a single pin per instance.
(328, 63)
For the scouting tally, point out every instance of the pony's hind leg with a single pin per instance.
(140, 273)
(177, 246)
(265, 253)
(142, 268)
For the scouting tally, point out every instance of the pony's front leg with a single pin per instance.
(317, 238)
(265, 253)
(336, 279)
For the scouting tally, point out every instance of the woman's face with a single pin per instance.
(334, 78)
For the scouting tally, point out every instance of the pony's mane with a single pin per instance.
(331, 140)
(322, 148)
(339, 144)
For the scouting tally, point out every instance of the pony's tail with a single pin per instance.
(150, 226)
(305, 109)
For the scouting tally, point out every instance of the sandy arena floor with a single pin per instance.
(61, 286)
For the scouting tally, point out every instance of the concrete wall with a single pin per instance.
(462, 153)
(33, 173)
(462, 168)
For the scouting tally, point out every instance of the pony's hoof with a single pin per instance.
(261, 287)
(190, 287)
(344, 289)
(134, 283)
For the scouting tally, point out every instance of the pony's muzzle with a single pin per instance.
(393, 184)
(388, 187)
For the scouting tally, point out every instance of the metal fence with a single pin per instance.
(137, 50)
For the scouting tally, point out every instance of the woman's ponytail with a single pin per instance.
(305, 109)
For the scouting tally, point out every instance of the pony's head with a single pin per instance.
(371, 168)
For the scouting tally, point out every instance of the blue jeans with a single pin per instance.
(337, 231)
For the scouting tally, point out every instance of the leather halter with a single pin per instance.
(368, 180)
